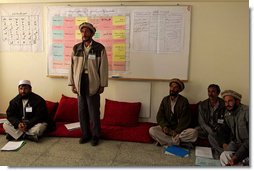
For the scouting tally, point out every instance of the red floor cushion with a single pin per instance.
(61, 131)
(67, 110)
(52, 107)
(139, 133)
(119, 113)
(2, 129)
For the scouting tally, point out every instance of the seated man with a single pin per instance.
(174, 118)
(236, 151)
(211, 117)
(27, 115)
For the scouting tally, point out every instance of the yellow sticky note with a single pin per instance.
(118, 34)
(80, 20)
(118, 20)
(119, 52)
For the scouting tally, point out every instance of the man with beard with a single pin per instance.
(173, 118)
(211, 117)
(236, 151)
(27, 115)
(88, 76)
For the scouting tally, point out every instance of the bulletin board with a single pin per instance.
(142, 42)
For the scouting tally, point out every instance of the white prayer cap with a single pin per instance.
(24, 82)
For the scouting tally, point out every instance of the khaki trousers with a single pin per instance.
(37, 129)
(187, 135)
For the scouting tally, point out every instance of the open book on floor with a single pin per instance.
(13, 145)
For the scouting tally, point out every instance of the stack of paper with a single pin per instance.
(13, 145)
(204, 157)
(72, 126)
(202, 161)
(177, 151)
(204, 152)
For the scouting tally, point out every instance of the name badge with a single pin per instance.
(220, 121)
(91, 56)
(29, 109)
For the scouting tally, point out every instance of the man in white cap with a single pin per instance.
(27, 115)
(236, 149)
(174, 118)
(88, 75)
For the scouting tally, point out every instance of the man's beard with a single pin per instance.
(86, 40)
(24, 96)
(233, 109)
(174, 94)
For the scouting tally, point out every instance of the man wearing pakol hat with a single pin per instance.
(88, 75)
(236, 149)
(27, 115)
(173, 118)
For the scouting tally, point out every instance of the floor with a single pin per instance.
(67, 152)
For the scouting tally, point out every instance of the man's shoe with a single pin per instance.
(158, 144)
(95, 141)
(83, 140)
(33, 138)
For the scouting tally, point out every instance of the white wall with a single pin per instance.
(219, 53)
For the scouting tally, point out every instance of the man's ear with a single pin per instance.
(237, 101)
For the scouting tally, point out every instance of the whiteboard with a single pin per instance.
(156, 41)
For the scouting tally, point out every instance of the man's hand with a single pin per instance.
(165, 130)
(225, 146)
(232, 161)
(101, 90)
(174, 133)
(74, 90)
(22, 127)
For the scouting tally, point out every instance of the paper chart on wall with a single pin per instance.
(158, 30)
(112, 30)
(21, 28)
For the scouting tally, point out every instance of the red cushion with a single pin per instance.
(139, 133)
(61, 131)
(67, 110)
(121, 113)
(51, 106)
(2, 131)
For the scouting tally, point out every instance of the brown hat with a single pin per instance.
(177, 81)
(231, 93)
(88, 25)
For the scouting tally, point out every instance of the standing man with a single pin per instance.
(173, 118)
(236, 151)
(87, 77)
(27, 115)
(211, 117)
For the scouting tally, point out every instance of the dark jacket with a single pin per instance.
(204, 116)
(180, 119)
(39, 112)
(236, 130)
